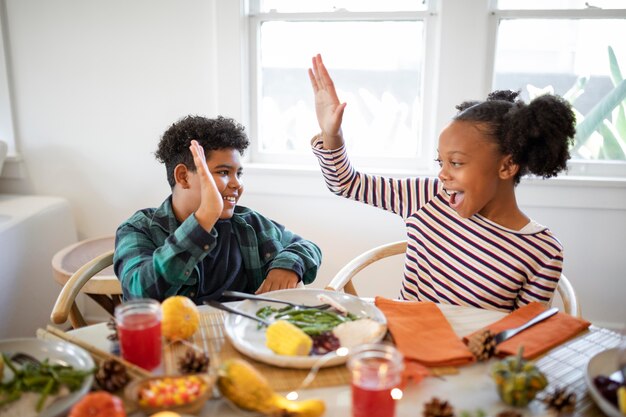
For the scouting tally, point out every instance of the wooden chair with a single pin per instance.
(343, 278)
(105, 290)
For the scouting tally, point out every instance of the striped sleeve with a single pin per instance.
(400, 196)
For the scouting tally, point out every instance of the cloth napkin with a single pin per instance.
(539, 338)
(422, 333)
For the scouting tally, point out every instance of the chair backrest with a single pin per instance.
(106, 291)
(343, 278)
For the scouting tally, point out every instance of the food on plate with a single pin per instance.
(98, 404)
(171, 391)
(245, 387)
(324, 343)
(181, 318)
(518, 380)
(312, 321)
(357, 332)
(621, 399)
(285, 338)
(609, 389)
(43, 378)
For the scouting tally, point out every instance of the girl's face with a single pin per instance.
(471, 171)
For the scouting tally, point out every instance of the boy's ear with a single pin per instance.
(181, 175)
(508, 168)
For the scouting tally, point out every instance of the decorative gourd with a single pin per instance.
(181, 318)
(245, 387)
(98, 404)
(518, 380)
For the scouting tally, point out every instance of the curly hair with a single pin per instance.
(211, 134)
(537, 135)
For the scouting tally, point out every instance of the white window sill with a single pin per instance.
(565, 191)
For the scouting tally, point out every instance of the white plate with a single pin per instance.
(249, 339)
(57, 352)
(603, 363)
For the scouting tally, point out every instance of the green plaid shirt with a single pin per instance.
(157, 257)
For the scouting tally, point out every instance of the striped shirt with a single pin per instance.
(449, 259)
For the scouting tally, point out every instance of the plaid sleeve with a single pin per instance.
(149, 268)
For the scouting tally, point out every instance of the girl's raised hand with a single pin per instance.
(211, 202)
(328, 109)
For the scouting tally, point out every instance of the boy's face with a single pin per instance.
(225, 167)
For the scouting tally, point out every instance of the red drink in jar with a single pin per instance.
(376, 371)
(139, 330)
(367, 402)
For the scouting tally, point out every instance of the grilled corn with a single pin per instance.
(285, 338)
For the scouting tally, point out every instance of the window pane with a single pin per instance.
(291, 6)
(378, 76)
(540, 55)
(559, 4)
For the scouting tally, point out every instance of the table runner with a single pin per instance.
(211, 339)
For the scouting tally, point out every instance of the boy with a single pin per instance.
(199, 243)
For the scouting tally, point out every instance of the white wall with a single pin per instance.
(95, 83)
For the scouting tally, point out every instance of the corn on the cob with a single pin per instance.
(621, 399)
(285, 338)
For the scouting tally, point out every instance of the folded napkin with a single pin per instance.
(422, 333)
(539, 338)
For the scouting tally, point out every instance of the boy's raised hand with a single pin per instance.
(328, 109)
(211, 202)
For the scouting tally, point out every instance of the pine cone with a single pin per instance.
(112, 325)
(560, 400)
(193, 362)
(112, 375)
(436, 408)
(508, 413)
(482, 345)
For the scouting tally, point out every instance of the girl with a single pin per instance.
(468, 241)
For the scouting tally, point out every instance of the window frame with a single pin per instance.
(575, 168)
(421, 161)
(7, 132)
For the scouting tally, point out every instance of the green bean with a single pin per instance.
(44, 378)
(44, 394)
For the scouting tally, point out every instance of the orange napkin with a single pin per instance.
(422, 333)
(539, 338)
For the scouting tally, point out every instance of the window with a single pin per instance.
(6, 121)
(375, 52)
(577, 49)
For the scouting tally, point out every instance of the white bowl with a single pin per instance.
(603, 363)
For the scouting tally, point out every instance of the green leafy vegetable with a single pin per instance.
(44, 378)
(312, 321)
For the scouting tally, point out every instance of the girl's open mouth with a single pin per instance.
(456, 198)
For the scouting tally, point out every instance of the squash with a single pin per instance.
(181, 318)
(518, 381)
(245, 387)
(98, 404)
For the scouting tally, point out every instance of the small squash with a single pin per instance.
(518, 380)
(98, 404)
(248, 389)
(181, 318)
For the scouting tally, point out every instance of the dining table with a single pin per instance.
(468, 388)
